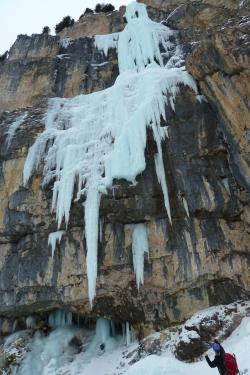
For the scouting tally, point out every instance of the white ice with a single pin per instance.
(101, 64)
(103, 329)
(13, 128)
(60, 318)
(53, 238)
(96, 138)
(54, 355)
(160, 171)
(66, 42)
(30, 322)
(128, 334)
(139, 43)
(106, 42)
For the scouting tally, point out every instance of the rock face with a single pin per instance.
(90, 24)
(43, 66)
(203, 258)
(223, 72)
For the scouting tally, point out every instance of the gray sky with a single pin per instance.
(29, 16)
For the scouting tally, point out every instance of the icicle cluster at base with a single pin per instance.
(60, 318)
(128, 333)
(106, 329)
(103, 329)
(96, 138)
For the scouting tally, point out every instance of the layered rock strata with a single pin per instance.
(200, 260)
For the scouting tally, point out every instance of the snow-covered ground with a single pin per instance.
(57, 354)
(166, 364)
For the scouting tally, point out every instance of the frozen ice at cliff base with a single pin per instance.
(53, 354)
(60, 318)
(93, 139)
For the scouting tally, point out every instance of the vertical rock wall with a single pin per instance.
(203, 258)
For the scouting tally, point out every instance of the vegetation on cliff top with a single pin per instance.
(67, 21)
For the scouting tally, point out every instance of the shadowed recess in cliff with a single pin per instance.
(100, 137)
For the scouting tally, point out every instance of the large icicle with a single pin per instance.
(91, 229)
(96, 138)
(159, 167)
(139, 248)
(128, 333)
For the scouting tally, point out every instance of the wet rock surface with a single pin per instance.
(203, 258)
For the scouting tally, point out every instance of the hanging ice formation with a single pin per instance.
(60, 318)
(128, 333)
(54, 237)
(105, 329)
(98, 137)
(185, 206)
(13, 128)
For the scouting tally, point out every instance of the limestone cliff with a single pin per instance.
(201, 259)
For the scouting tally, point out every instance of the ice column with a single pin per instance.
(60, 318)
(139, 248)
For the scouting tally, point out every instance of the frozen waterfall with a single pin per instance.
(93, 139)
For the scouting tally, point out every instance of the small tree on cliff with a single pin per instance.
(104, 8)
(4, 56)
(46, 30)
(66, 22)
(108, 8)
(88, 11)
